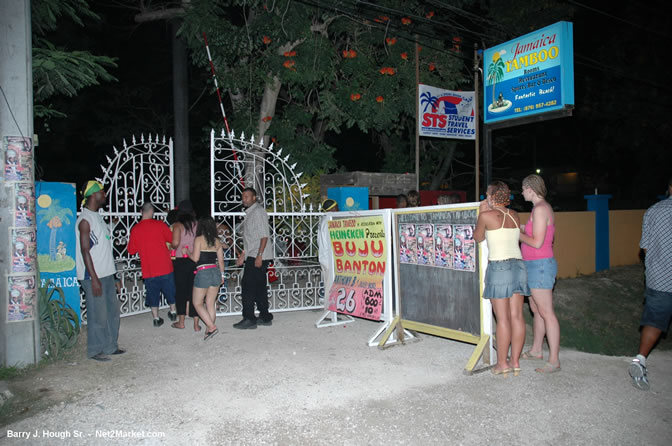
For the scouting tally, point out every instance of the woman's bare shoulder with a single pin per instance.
(543, 210)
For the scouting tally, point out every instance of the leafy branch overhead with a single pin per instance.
(58, 71)
(294, 71)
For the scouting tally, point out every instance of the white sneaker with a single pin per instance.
(638, 374)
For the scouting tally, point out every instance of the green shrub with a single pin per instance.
(59, 324)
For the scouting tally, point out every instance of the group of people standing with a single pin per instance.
(520, 263)
(412, 199)
(184, 262)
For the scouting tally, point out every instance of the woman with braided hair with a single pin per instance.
(506, 276)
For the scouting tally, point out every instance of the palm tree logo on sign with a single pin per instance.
(495, 74)
(55, 217)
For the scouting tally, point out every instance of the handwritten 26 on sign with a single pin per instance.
(357, 301)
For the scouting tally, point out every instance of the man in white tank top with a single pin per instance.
(95, 272)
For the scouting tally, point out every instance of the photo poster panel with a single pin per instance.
(22, 298)
(446, 292)
(18, 159)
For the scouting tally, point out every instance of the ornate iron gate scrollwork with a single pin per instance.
(237, 163)
(142, 171)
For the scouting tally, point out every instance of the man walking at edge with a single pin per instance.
(256, 255)
(95, 272)
(656, 243)
(149, 238)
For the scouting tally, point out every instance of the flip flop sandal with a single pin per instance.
(548, 368)
(210, 334)
(174, 325)
(516, 371)
(504, 372)
(528, 355)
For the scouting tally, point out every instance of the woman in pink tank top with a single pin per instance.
(537, 250)
(184, 233)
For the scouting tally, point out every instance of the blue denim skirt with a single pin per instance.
(541, 273)
(205, 278)
(503, 278)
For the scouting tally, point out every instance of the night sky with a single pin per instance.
(615, 140)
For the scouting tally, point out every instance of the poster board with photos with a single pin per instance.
(439, 268)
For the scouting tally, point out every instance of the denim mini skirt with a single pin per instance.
(205, 278)
(541, 273)
(503, 278)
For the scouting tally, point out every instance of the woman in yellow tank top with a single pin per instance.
(506, 276)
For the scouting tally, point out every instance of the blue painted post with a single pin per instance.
(350, 198)
(600, 205)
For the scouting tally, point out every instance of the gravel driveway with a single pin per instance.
(294, 384)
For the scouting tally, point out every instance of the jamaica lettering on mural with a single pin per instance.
(359, 261)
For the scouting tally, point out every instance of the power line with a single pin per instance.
(38, 169)
(9, 107)
(401, 32)
(619, 19)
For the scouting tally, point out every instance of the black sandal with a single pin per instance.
(209, 334)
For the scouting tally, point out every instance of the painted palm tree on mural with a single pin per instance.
(55, 216)
(427, 99)
(496, 72)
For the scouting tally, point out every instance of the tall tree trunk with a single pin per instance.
(181, 110)
(52, 243)
(180, 94)
(385, 143)
(255, 169)
(447, 160)
(267, 108)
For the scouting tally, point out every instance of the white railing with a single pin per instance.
(143, 171)
(237, 163)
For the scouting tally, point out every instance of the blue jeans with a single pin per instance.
(102, 317)
(154, 286)
(657, 309)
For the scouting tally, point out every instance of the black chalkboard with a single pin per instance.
(440, 296)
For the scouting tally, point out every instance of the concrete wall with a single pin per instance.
(625, 230)
(574, 245)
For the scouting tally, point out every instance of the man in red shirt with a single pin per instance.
(149, 239)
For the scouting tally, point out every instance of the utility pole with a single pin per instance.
(477, 114)
(417, 115)
(19, 316)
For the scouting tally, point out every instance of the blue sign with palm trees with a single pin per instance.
(529, 75)
(56, 217)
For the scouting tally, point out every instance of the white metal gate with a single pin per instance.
(237, 163)
(143, 171)
(140, 172)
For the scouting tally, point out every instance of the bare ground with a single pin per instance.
(294, 384)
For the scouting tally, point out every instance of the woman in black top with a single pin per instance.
(209, 258)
